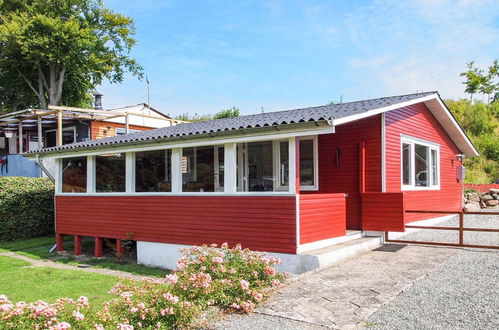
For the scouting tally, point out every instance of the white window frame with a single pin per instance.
(176, 173)
(315, 186)
(412, 141)
(276, 149)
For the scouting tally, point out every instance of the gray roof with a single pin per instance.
(303, 115)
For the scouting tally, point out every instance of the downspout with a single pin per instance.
(44, 169)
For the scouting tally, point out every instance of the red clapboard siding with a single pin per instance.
(417, 121)
(259, 223)
(383, 211)
(344, 177)
(322, 216)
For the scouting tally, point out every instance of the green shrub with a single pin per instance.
(26, 207)
(231, 279)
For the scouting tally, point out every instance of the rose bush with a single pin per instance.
(231, 279)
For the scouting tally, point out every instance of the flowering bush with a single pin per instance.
(232, 279)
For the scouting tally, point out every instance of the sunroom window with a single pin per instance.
(74, 175)
(420, 164)
(110, 173)
(308, 164)
(202, 169)
(153, 171)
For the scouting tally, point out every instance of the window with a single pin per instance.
(255, 166)
(202, 169)
(153, 171)
(68, 136)
(308, 164)
(420, 164)
(110, 173)
(283, 164)
(122, 131)
(74, 175)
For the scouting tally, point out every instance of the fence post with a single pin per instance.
(461, 227)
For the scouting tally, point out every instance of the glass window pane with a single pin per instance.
(406, 163)
(283, 163)
(307, 176)
(153, 171)
(74, 175)
(421, 174)
(110, 173)
(220, 168)
(198, 169)
(260, 166)
(434, 167)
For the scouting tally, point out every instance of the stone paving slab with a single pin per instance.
(344, 295)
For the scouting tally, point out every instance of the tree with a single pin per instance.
(62, 49)
(479, 81)
(227, 113)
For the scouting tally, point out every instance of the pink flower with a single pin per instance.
(217, 260)
(4, 299)
(244, 284)
(276, 283)
(6, 307)
(61, 326)
(82, 301)
(171, 298)
(232, 271)
(257, 296)
(126, 295)
(234, 306)
(224, 245)
(124, 326)
(269, 271)
(78, 316)
(141, 305)
(186, 304)
(247, 306)
(99, 327)
(168, 310)
(171, 279)
(134, 310)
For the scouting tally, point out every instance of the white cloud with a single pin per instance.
(423, 45)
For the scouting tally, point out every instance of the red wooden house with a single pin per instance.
(285, 182)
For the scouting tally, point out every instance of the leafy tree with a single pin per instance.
(62, 49)
(227, 113)
(481, 123)
(479, 81)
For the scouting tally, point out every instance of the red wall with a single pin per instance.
(417, 121)
(322, 216)
(383, 211)
(344, 178)
(258, 223)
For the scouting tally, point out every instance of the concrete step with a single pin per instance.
(341, 251)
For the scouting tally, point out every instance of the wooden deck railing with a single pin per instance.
(461, 228)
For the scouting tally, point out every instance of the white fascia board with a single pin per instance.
(378, 111)
(180, 143)
(460, 139)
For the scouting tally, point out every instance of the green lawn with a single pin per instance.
(19, 282)
(38, 248)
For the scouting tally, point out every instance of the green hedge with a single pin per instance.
(26, 207)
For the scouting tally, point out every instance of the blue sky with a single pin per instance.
(204, 56)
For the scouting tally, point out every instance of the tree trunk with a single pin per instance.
(56, 80)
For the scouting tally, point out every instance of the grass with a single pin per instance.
(38, 248)
(22, 283)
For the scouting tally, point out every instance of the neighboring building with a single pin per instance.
(285, 182)
(40, 129)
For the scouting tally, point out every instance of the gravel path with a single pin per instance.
(462, 294)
